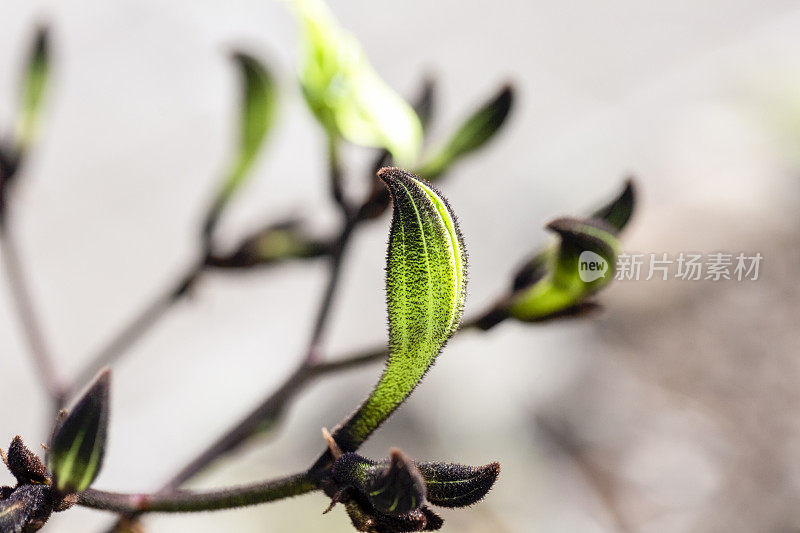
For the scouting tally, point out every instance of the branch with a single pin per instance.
(31, 326)
(265, 415)
(268, 413)
(187, 502)
(137, 328)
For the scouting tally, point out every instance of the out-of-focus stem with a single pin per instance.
(20, 294)
(136, 328)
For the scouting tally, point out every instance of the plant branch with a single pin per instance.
(191, 501)
(137, 327)
(266, 414)
(31, 326)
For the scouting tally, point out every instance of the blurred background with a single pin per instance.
(677, 409)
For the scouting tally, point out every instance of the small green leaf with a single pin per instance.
(34, 84)
(473, 133)
(454, 485)
(257, 111)
(425, 290)
(78, 446)
(619, 210)
(564, 283)
(345, 93)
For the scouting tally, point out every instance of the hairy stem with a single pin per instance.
(187, 502)
(31, 326)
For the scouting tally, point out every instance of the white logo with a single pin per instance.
(591, 266)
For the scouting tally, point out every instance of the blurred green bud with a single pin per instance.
(476, 131)
(345, 93)
(454, 485)
(583, 263)
(256, 114)
(550, 284)
(34, 84)
(78, 445)
(276, 242)
(618, 211)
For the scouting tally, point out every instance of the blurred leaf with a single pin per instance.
(565, 285)
(78, 446)
(425, 102)
(619, 210)
(275, 242)
(425, 289)
(378, 199)
(256, 114)
(346, 94)
(476, 131)
(454, 485)
(34, 83)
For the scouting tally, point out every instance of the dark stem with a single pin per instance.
(31, 326)
(186, 501)
(136, 328)
(336, 176)
(334, 275)
(258, 420)
(265, 415)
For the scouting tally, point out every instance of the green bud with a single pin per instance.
(549, 284)
(454, 485)
(275, 242)
(398, 488)
(257, 111)
(618, 211)
(425, 290)
(34, 84)
(78, 445)
(473, 133)
(345, 93)
(386, 496)
(563, 284)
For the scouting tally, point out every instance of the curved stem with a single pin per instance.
(186, 501)
(266, 414)
(31, 326)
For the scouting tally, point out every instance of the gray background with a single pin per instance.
(680, 397)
